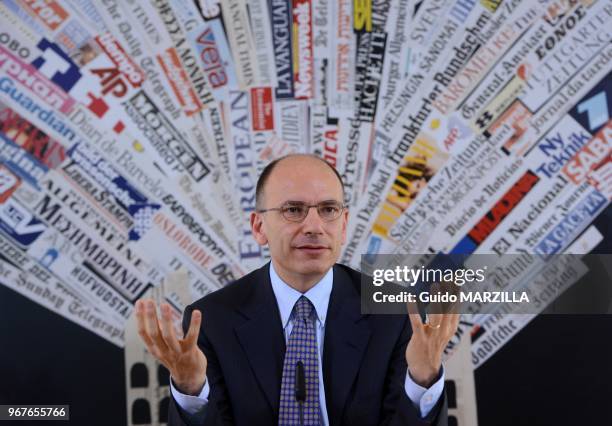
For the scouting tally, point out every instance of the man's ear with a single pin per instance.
(345, 215)
(257, 228)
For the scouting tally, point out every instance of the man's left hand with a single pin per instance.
(424, 351)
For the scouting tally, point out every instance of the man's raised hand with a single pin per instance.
(182, 357)
(425, 348)
(428, 341)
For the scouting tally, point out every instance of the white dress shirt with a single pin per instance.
(286, 297)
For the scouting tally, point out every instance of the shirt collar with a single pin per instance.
(287, 296)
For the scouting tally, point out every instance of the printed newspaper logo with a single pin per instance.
(498, 212)
(560, 146)
(302, 28)
(593, 110)
(19, 224)
(8, 183)
(211, 59)
(262, 109)
(56, 65)
(48, 12)
(595, 154)
(49, 152)
(281, 38)
(362, 11)
(179, 81)
(124, 63)
(29, 77)
(571, 225)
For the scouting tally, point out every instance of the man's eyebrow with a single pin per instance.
(331, 200)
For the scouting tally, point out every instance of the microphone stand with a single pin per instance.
(300, 388)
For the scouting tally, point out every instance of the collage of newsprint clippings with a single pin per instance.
(132, 134)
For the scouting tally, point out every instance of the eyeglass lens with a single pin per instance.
(297, 212)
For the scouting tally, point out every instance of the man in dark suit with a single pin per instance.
(287, 344)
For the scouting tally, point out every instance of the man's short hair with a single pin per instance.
(265, 174)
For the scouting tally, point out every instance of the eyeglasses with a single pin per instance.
(297, 212)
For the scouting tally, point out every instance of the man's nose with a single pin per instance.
(313, 222)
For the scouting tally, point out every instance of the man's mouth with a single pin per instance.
(312, 248)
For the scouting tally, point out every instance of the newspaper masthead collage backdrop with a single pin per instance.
(132, 134)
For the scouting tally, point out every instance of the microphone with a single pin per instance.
(300, 388)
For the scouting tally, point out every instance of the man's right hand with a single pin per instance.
(182, 357)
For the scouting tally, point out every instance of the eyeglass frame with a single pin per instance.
(309, 206)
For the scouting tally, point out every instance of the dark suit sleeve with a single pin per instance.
(397, 408)
(218, 410)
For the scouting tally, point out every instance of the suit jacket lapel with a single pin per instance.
(261, 337)
(346, 337)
